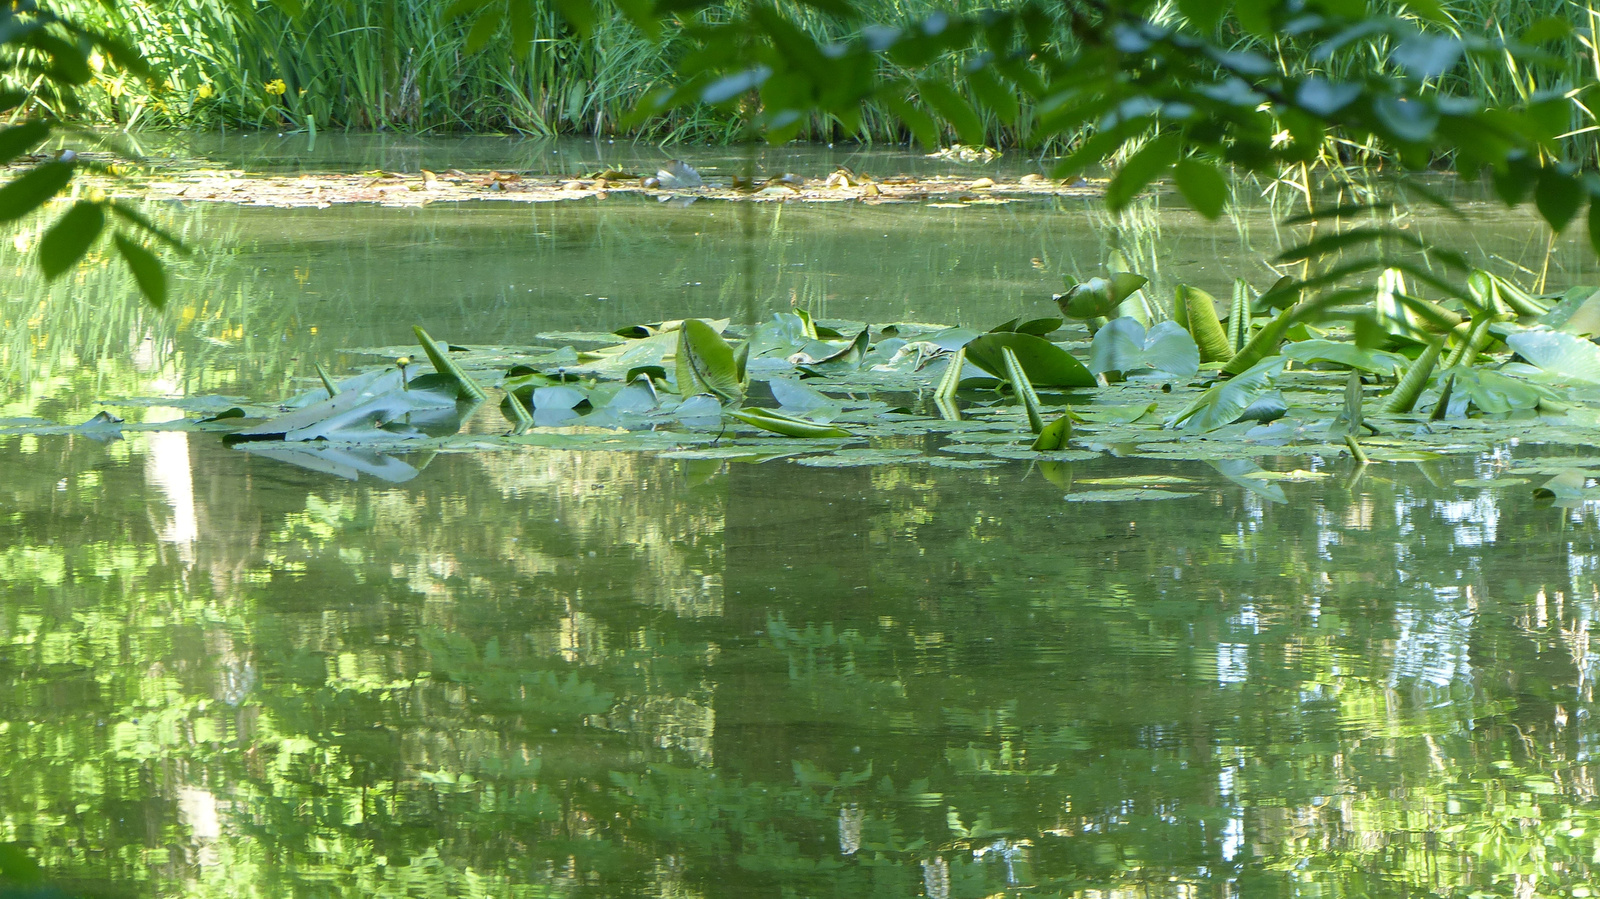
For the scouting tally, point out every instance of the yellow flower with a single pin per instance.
(276, 87)
(205, 92)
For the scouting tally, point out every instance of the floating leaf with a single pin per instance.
(1124, 346)
(847, 359)
(1349, 355)
(1045, 364)
(1132, 494)
(705, 363)
(1568, 485)
(1116, 414)
(1577, 313)
(787, 425)
(1564, 355)
(1223, 403)
(1099, 296)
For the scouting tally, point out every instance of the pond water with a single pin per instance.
(554, 673)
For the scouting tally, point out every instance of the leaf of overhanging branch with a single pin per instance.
(70, 237)
(955, 110)
(1149, 163)
(1332, 243)
(32, 189)
(19, 139)
(1000, 100)
(1336, 212)
(1202, 185)
(146, 269)
(1558, 196)
(521, 14)
(482, 31)
(580, 14)
(143, 223)
(922, 125)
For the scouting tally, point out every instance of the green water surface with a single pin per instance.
(554, 673)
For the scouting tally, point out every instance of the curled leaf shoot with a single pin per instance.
(1404, 396)
(1024, 389)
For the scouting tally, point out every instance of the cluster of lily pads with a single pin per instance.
(1400, 379)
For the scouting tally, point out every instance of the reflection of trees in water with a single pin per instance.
(860, 679)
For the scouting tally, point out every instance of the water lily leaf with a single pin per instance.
(1038, 327)
(700, 410)
(1247, 474)
(1568, 485)
(1046, 364)
(787, 425)
(1267, 408)
(1138, 480)
(1131, 494)
(344, 462)
(558, 398)
(852, 458)
(225, 414)
(1262, 344)
(1497, 394)
(1405, 394)
(1125, 346)
(637, 397)
(1119, 414)
(843, 360)
(951, 339)
(782, 336)
(1223, 403)
(1577, 313)
(1491, 483)
(1023, 389)
(796, 397)
(1378, 362)
(1099, 296)
(1054, 436)
(1565, 355)
(705, 363)
(1199, 315)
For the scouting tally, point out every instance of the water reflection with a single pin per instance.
(609, 674)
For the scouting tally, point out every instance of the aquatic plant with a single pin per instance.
(847, 393)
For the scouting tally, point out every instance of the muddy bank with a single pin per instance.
(425, 187)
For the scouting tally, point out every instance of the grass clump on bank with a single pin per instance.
(371, 64)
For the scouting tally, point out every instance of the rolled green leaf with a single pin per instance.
(1443, 405)
(787, 425)
(1472, 342)
(1024, 388)
(952, 376)
(1200, 315)
(444, 365)
(1239, 316)
(327, 382)
(1055, 435)
(1263, 344)
(1405, 394)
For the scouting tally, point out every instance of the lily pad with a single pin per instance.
(1349, 355)
(1565, 355)
(1127, 495)
(1125, 346)
(1045, 364)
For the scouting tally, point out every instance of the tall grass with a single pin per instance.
(395, 64)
